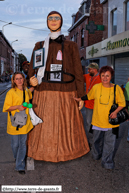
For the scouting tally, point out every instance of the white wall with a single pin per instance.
(120, 5)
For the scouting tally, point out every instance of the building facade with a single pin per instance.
(5, 54)
(115, 45)
(15, 62)
(9, 59)
(89, 11)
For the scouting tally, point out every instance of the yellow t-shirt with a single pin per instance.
(103, 100)
(15, 97)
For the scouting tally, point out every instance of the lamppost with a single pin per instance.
(5, 25)
(13, 42)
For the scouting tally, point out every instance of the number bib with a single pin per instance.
(55, 76)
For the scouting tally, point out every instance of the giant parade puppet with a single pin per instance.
(61, 135)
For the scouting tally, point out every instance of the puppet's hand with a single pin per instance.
(33, 81)
(81, 103)
(77, 99)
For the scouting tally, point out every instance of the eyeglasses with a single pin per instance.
(101, 96)
(56, 18)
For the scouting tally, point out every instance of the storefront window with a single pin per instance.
(114, 22)
(127, 16)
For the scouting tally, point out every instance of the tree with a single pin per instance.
(22, 58)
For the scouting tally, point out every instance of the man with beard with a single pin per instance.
(90, 79)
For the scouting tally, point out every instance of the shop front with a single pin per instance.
(114, 52)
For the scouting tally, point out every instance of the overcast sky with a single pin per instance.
(33, 14)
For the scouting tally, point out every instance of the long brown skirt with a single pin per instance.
(61, 136)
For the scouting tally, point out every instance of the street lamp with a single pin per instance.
(13, 42)
(5, 25)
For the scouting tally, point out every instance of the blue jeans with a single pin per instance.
(103, 146)
(18, 144)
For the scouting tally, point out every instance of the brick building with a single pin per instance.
(114, 49)
(90, 10)
(5, 54)
(9, 59)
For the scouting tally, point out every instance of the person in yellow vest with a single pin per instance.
(13, 103)
(104, 134)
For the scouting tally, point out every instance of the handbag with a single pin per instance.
(34, 118)
(122, 115)
(20, 118)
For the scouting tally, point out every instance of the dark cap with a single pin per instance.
(93, 65)
(25, 62)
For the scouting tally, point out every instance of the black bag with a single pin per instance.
(122, 115)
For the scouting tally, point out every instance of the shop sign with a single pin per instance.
(113, 45)
(93, 51)
(117, 44)
(92, 27)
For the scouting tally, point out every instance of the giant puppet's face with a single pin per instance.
(54, 22)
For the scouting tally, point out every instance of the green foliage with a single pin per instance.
(22, 58)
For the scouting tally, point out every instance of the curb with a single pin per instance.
(4, 90)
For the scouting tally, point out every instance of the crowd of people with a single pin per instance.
(58, 99)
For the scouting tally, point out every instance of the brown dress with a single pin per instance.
(61, 136)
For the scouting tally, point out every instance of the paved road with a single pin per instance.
(4, 86)
(82, 175)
